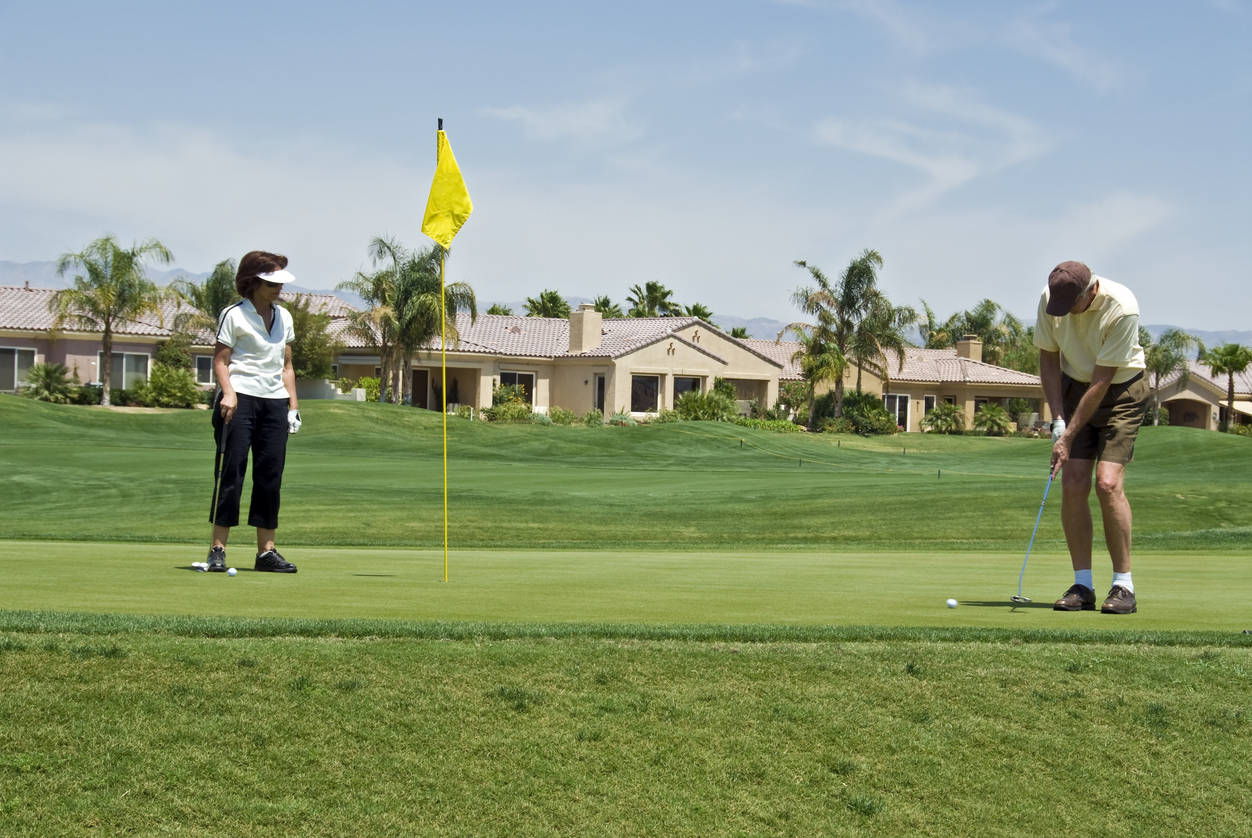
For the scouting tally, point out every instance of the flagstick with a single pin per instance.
(443, 351)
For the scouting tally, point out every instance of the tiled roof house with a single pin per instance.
(928, 377)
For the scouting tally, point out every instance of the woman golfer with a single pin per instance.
(256, 407)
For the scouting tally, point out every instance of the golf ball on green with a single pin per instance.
(952, 603)
(231, 572)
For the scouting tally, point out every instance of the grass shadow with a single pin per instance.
(1004, 604)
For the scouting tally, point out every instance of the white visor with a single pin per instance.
(278, 276)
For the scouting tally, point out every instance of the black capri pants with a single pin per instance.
(259, 425)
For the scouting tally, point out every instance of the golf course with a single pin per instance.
(691, 628)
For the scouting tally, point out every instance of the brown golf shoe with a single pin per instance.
(1120, 601)
(1077, 598)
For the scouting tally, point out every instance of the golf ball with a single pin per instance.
(952, 603)
(230, 571)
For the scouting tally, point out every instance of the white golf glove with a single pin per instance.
(1058, 428)
(293, 421)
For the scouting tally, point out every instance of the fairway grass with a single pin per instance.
(142, 733)
(763, 588)
(369, 475)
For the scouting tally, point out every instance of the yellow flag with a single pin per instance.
(449, 203)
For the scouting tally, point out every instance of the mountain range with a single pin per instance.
(44, 275)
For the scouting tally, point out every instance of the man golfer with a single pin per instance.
(1092, 369)
(256, 407)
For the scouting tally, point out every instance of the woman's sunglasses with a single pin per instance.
(269, 284)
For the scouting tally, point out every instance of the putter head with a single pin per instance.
(1020, 598)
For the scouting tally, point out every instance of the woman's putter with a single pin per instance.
(1019, 597)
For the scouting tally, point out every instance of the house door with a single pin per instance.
(421, 388)
(599, 405)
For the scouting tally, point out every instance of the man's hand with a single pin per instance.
(1060, 453)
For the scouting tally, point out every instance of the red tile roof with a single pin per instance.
(938, 366)
(1243, 380)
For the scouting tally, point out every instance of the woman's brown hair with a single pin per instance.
(254, 263)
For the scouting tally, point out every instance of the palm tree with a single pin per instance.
(379, 324)
(206, 299)
(838, 307)
(422, 316)
(934, 335)
(740, 333)
(881, 328)
(607, 308)
(499, 308)
(1166, 356)
(1000, 332)
(1227, 359)
(699, 310)
(116, 290)
(819, 361)
(49, 383)
(547, 304)
(652, 300)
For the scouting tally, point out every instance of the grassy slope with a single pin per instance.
(154, 734)
(365, 474)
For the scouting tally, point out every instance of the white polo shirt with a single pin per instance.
(257, 356)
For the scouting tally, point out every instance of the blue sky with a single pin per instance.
(706, 145)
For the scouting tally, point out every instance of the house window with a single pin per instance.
(928, 404)
(684, 384)
(14, 364)
(526, 379)
(129, 369)
(334, 371)
(979, 403)
(949, 399)
(643, 392)
(898, 406)
(204, 369)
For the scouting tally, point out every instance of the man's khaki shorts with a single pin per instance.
(1110, 433)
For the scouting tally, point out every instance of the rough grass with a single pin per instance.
(152, 733)
(368, 474)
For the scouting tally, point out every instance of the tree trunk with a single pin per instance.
(812, 402)
(384, 374)
(839, 397)
(1230, 400)
(106, 363)
(1156, 402)
(858, 376)
(406, 380)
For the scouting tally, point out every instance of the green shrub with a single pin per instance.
(1236, 429)
(592, 419)
(867, 412)
(726, 388)
(176, 352)
(372, 388)
(538, 418)
(89, 394)
(507, 412)
(561, 416)
(944, 418)
(50, 383)
(168, 387)
(509, 393)
(993, 420)
(464, 411)
(831, 425)
(778, 425)
(622, 420)
(713, 406)
(667, 416)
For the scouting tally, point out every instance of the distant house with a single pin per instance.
(929, 377)
(583, 363)
(1200, 401)
(27, 338)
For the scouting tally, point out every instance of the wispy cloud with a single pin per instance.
(1053, 42)
(598, 119)
(952, 138)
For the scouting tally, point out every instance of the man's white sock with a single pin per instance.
(1123, 579)
(1083, 577)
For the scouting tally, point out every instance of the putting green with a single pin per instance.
(1176, 592)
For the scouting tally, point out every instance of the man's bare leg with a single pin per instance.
(1076, 511)
(1115, 509)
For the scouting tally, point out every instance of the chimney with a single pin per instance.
(969, 346)
(585, 327)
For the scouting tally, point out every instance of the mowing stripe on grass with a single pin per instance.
(67, 622)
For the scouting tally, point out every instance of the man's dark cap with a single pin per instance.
(1065, 285)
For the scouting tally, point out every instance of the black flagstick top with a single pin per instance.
(441, 123)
